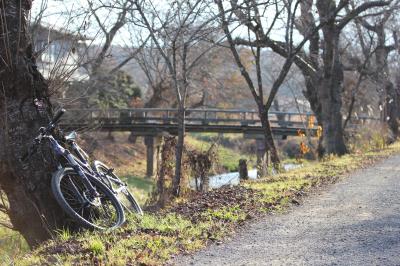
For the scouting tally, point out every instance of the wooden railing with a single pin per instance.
(216, 120)
(169, 115)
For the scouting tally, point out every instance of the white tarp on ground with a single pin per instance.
(232, 179)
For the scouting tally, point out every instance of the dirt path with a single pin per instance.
(355, 222)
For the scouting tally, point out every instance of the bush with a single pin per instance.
(371, 136)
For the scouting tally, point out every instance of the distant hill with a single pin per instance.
(224, 86)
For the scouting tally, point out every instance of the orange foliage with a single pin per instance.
(300, 133)
(304, 149)
(319, 132)
(311, 121)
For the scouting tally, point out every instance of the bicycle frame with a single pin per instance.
(81, 168)
(83, 163)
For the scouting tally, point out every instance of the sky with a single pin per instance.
(58, 14)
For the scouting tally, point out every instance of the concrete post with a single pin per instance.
(152, 147)
(149, 142)
(243, 173)
(262, 159)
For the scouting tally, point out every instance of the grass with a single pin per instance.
(229, 214)
(96, 247)
(133, 170)
(130, 170)
(156, 237)
(12, 245)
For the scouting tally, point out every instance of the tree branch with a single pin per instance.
(358, 10)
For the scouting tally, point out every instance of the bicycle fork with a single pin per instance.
(78, 169)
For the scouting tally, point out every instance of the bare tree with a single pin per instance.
(248, 14)
(260, 27)
(321, 64)
(121, 8)
(376, 47)
(160, 92)
(105, 22)
(152, 64)
(175, 29)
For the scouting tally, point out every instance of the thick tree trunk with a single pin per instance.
(324, 96)
(332, 136)
(176, 186)
(329, 84)
(33, 211)
(330, 87)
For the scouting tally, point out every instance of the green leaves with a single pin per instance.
(117, 91)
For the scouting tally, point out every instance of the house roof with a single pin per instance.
(53, 33)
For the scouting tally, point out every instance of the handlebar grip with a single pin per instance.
(57, 116)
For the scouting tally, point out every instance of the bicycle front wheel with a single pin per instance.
(100, 212)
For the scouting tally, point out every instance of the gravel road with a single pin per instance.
(354, 222)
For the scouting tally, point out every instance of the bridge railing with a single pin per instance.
(169, 115)
(234, 117)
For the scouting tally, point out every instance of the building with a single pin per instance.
(59, 53)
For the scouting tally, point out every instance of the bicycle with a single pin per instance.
(76, 186)
(106, 175)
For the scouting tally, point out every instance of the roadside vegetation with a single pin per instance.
(190, 223)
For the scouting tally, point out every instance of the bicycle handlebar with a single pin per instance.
(57, 116)
(43, 132)
(54, 121)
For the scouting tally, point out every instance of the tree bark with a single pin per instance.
(330, 87)
(311, 94)
(331, 119)
(33, 211)
(390, 95)
(268, 137)
(330, 84)
(176, 186)
(392, 109)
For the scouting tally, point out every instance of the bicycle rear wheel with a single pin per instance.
(101, 212)
(125, 197)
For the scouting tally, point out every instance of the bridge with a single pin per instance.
(153, 122)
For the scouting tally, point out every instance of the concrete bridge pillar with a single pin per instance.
(151, 143)
(262, 158)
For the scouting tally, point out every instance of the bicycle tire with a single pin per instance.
(125, 196)
(58, 185)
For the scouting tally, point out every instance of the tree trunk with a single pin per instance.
(268, 137)
(329, 83)
(392, 110)
(33, 211)
(332, 135)
(311, 94)
(324, 93)
(176, 186)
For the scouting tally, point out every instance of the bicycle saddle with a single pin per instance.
(71, 136)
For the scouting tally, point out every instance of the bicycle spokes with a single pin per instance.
(98, 210)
